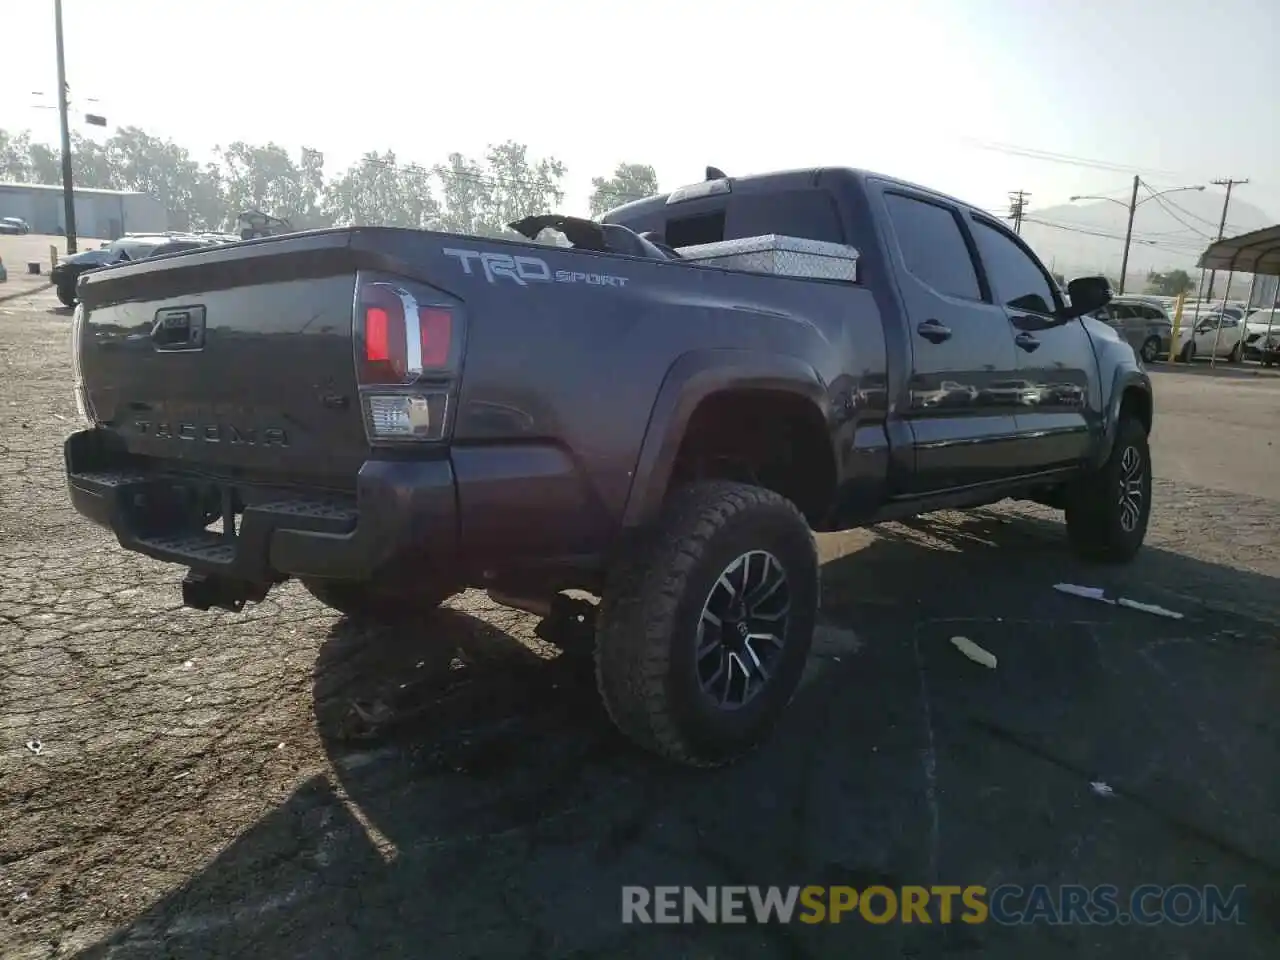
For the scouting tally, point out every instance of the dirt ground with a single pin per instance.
(280, 784)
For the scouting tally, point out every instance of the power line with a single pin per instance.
(1194, 216)
(1142, 238)
(1160, 202)
(1062, 158)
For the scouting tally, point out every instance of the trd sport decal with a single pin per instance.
(526, 270)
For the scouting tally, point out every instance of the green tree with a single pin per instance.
(1169, 284)
(266, 178)
(630, 181)
(164, 170)
(15, 156)
(378, 191)
(481, 198)
(91, 163)
(44, 164)
(475, 196)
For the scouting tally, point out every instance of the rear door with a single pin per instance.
(1208, 336)
(1059, 408)
(1124, 318)
(963, 390)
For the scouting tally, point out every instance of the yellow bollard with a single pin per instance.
(1177, 325)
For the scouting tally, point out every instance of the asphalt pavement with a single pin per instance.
(281, 784)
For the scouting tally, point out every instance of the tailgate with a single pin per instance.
(252, 360)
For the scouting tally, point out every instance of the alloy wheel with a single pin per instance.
(742, 630)
(1131, 492)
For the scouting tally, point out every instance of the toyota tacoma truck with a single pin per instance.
(658, 412)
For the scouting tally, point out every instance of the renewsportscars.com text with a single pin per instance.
(1008, 905)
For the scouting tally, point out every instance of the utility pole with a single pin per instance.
(1128, 232)
(1017, 207)
(1222, 224)
(68, 187)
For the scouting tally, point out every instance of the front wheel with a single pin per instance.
(67, 295)
(1188, 352)
(706, 622)
(1236, 354)
(1150, 351)
(1108, 510)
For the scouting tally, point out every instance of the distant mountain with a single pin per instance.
(1168, 232)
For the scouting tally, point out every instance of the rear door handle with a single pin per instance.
(1027, 342)
(933, 331)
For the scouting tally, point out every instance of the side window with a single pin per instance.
(1016, 277)
(933, 248)
(1120, 311)
(1153, 313)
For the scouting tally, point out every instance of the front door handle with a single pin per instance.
(933, 331)
(1027, 342)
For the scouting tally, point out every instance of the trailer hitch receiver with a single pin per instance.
(204, 592)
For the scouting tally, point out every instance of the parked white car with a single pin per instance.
(1231, 332)
(1262, 341)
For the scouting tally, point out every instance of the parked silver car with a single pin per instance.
(1144, 323)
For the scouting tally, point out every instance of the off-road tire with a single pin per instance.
(358, 600)
(1095, 521)
(1150, 351)
(647, 628)
(67, 295)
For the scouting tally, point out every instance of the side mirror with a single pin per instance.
(1087, 294)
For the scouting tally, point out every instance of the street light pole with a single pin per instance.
(1128, 233)
(68, 186)
(1132, 208)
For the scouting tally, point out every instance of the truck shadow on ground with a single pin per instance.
(480, 805)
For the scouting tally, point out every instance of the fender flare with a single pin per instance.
(1122, 380)
(692, 378)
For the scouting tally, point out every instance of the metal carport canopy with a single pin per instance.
(1257, 252)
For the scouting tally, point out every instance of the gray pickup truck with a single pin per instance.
(658, 414)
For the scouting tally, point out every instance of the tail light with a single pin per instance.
(408, 343)
(83, 407)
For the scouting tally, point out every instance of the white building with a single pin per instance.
(100, 214)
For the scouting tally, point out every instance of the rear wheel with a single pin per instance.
(1108, 510)
(705, 625)
(1150, 351)
(361, 600)
(67, 294)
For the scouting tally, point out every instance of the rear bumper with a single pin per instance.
(402, 514)
(519, 513)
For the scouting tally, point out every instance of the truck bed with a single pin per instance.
(538, 407)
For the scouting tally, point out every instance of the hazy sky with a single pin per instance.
(1181, 91)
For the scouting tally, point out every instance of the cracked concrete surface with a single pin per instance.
(280, 784)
